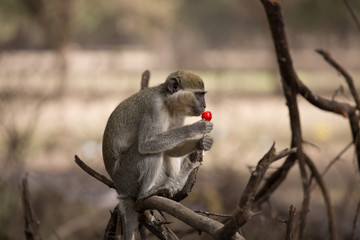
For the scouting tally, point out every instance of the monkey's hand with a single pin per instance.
(202, 127)
(205, 143)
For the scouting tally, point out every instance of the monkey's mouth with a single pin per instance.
(197, 111)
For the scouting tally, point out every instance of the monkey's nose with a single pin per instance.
(204, 105)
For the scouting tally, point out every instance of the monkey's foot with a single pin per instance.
(188, 166)
(170, 188)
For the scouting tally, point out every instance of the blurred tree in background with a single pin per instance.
(99, 24)
(36, 23)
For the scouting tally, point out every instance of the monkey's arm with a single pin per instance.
(151, 141)
(184, 148)
(189, 146)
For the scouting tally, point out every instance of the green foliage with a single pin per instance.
(216, 23)
(11, 16)
(319, 15)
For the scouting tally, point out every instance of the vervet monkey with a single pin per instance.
(146, 143)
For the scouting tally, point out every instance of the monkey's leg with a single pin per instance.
(175, 182)
(153, 177)
(157, 180)
(165, 186)
(129, 218)
(186, 168)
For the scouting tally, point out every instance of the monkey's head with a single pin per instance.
(185, 93)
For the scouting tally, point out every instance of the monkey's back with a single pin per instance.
(121, 134)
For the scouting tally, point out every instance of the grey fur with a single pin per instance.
(145, 143)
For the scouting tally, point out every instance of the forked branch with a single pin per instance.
(350, 82)
(199, 222)
(243, 213)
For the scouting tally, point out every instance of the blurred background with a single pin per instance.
(66, 64)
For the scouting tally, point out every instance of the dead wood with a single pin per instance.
(32, 224)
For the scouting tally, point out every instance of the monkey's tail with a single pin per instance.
(129, 218)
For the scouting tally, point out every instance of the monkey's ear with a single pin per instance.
(173, 85)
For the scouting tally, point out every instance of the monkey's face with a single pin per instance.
(198, 104)
(187, 102)
(187, 95)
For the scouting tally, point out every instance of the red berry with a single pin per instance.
(207, 116)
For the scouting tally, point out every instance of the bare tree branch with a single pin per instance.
(110, 230)
(336, 158)
(355, 222)
(326, 55)
(274, 181)
(290, 77)
(243, 212)
(289, 81)
(208, 214)
(32, 224)
(93, 173)
(199, 222)
(182, 213)
(357, 22)
(284, 153)
(155, 202)
(326, 196)
(290, 223)
(323, 103)
(336, 107)
(157, 226)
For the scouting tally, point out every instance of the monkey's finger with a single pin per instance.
(206, 143)
(208, 127)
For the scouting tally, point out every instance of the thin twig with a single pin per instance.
(326, 196)
(357, 22)
(355, 222)
(338, 91)
(212, 214)
(341, 108)
(290, 223)
(306, 195)
(355, 131)
(350, 82)
(336, 158)
(274, 181)
(332, 162)
(243, 212)
(276, 178)
(32, 224)
(344, 109)
(284, 153)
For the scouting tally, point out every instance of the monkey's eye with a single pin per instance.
(198, 95)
